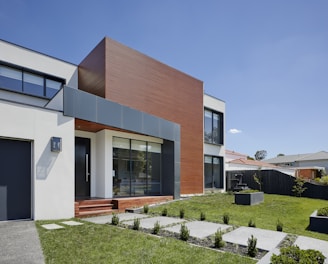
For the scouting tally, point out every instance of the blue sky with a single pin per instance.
(268, 60)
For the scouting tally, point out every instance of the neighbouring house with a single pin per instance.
(236, 168)
(120, 126)
(306, 165)
(233, 155)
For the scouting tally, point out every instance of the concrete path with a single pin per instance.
(266, 239)
(19, 243)
(199, 229)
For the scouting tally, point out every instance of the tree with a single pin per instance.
(280, 155)
(260, 154)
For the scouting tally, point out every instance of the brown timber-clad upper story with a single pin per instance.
(125, 76)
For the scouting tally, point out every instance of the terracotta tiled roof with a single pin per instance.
(253, 163)
(234, 153)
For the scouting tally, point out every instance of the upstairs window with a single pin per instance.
(213, 127)
(28, 82)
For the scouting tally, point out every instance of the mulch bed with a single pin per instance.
(207, 242)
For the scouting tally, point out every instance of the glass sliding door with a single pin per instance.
(208, 175)
(213, 172)
(154, 169)
(136, 167)
(121, 167)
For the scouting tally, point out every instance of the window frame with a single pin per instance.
(44, 76)
(220, 137)
(221, 173)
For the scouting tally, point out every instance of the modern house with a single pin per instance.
(120, 126)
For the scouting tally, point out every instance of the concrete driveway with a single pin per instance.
(19, 243)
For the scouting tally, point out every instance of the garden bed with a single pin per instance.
(318, 223)
(249, 198)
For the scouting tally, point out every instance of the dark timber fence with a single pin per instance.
(275, 182)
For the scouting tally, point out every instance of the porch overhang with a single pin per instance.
(88, 107)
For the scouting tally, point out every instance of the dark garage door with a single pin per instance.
(15, 179)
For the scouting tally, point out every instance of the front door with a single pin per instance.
(82, 167)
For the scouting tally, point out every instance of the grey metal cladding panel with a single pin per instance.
(132, 119)
(86, 107)
(177, 132)
(177, 191)
(150, 125)
(166, 129)
(109, 113)
(177, 151)
(69, 102)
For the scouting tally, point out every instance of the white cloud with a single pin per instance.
(234, 131)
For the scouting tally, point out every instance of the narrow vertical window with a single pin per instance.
(213, 127)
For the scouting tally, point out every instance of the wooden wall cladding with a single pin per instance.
(138, 81)
(92, 71)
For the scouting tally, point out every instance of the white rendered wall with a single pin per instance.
(39, 62)
(52, 173)
(212, 149)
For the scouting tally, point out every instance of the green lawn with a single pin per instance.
(91, 243)
(293, 212)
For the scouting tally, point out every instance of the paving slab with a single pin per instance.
(72, 223)
(312, 243)
(19, 243)
(267, 258)
(52, 226)
(266, 239)
(105, 219)
(163, 221)
(199, 229)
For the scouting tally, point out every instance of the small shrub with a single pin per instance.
(323, 211)
(164, 212)
(184, 232)
(115, 219)
(156, 228)
(182, 213)
(251, 223)
(279, 225)
(202, 216)
(136, 224)
(323, 180)
(146, 209)
(298, 188)
(218, 241)
(293, 254)
(251, 246)
(226, 218)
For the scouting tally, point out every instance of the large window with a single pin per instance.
(24, 81)
(213, 172)
(136, 167)
(213, 127)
